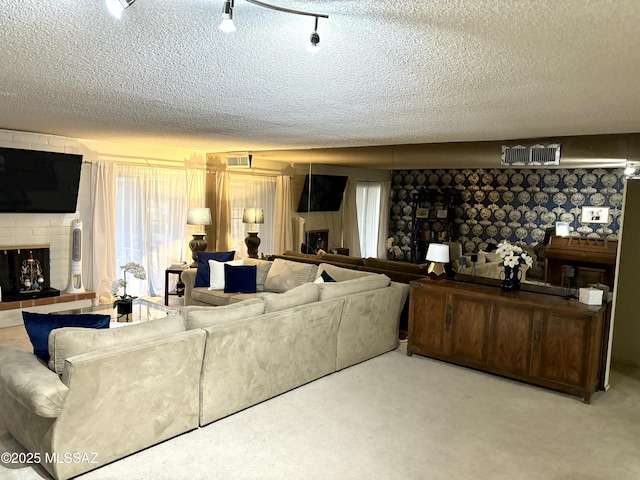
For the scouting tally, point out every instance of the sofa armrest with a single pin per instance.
(188, 277)
(25, 378)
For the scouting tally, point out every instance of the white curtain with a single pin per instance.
(151, 223)
(252, 191)
(383, 230)
(350, 236)
(222, 217)
(283, 235)
(368, 202)
(103, 253)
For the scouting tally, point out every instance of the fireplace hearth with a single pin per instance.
(24, 273)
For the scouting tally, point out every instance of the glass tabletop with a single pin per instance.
(143, 310)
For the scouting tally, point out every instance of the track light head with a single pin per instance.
(227, 24)
(314, 42)
(116, 7)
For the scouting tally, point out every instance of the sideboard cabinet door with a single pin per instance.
(512, 337)
(564, 349)
(469, 330)
(427, 317)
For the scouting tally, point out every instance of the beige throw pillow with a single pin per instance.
(286, 274)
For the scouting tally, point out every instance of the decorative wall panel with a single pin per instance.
(513, 204)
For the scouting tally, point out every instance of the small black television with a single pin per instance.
(322, 193)
(32, 181)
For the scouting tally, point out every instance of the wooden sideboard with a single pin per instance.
(541, 339)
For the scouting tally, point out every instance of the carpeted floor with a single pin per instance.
(399, 417)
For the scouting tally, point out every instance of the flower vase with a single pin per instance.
(125, 311)
(512, 279)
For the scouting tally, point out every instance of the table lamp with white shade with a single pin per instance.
(252, 216)
(198, 216)
(438, 255)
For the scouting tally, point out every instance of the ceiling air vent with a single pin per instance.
(531, 155)
(239, 160)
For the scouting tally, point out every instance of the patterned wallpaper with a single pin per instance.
(513, 204)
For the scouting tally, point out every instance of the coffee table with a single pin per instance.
(143, 310)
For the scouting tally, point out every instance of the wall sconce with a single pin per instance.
(438, 255)
(252, 216)
(198, 216)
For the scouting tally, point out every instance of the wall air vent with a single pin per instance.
(239, 160)
(531, 155)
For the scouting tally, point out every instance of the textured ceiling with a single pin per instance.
(389, 72)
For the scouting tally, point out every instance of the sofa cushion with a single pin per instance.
(202, 275)
(202, 317)
(216, 273)
(490, 256)
(340, 274)
(39, 325)
(239, 279)
(300, 295)
(350, 287)
(262, 269)
(287, 274)
(67, 342)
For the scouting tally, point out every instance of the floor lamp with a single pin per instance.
(198, 216)
(252, 216)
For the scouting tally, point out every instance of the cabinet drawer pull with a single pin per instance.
(447, 320)
(536, 336)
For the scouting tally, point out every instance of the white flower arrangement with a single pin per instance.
(134, 269)
(513, 255)
(393, 249)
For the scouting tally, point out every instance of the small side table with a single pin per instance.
(179, 291)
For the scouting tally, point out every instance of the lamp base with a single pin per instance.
(252, 241)
(197, 244)
(436, 271)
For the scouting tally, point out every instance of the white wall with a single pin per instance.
(53, 229)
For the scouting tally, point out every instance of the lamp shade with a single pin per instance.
(438, 252)
(253, 215)
(199, 216)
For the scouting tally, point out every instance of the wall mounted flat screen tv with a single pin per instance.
(38, 182)
(322, 193)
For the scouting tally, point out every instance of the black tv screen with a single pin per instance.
(326, 193)
(38, 182)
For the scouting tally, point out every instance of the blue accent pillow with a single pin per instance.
(202, 275)
(326, 277)
(240, 278)
(38, 326)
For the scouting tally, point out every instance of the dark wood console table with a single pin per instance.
(541, 339)
(594, 257)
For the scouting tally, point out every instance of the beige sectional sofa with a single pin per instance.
(114, 392)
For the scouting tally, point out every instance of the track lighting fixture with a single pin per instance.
(314, 41)
(116, 7)
(228, 26)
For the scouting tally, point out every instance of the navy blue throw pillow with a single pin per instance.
(240, 278)
(326, 277)
(203, 274)
(38, 326)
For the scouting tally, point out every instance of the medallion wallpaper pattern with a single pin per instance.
(513, 204)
